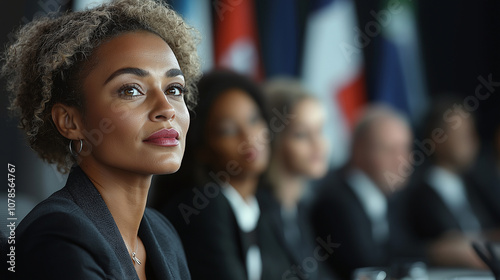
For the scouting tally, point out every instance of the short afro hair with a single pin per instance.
(44, 64)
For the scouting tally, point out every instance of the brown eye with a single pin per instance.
(175, 90)
(130, 91)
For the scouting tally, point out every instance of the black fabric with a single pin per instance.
(338, 213)
(298, 250)
(4, 250)
(214, 244)
(433, 218)
(72, 235)
(487, 175)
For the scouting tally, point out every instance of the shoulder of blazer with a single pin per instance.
(77, 218)
(58, 203)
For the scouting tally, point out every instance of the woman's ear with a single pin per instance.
(68, 121)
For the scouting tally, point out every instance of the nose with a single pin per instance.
(162, 109)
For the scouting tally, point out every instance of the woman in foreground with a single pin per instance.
(106, 90)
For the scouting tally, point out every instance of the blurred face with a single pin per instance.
(460, 149)
(302, 146)
(237, 135)
(388, 142)
(135, 116)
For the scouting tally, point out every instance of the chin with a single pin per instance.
(313, 170)
(315, 175)
(166, 168)
(254, 168)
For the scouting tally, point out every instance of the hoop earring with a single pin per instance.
(71, 149)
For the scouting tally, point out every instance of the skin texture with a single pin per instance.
(301, 152)
(130, 108)
(459, 150)
(237, 137)
(386, 142)
(303, 145)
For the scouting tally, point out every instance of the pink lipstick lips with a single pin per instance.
(165, 138)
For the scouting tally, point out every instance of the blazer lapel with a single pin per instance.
(158, 259)
(88, 198)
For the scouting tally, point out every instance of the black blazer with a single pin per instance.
(214, 244)
(272, 208)
(433, 217)
(338, 213)
(72, 235)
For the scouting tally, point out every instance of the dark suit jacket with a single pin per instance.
(487, 175)
(431, 217)
(338, 213)
(297, 254)
(214, 244)
(72, 235)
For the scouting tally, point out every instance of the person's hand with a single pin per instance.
(492, 261)
(453, 250)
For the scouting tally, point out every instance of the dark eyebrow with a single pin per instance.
(130, 70)
(174, 72)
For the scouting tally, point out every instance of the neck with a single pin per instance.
(125, 195)
(246, 186)
(287, 187)
(446, 166)
(381, 184)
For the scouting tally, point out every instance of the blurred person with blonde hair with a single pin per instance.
(299, 155)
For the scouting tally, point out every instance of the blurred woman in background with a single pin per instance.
(299, 154)
(220, 220)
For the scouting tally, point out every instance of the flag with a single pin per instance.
(333, 69)
(197, 13)
(236, 43)
(399, 79)
(280, 36)
(80, 5)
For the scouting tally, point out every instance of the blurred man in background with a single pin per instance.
(446, 209)
(353, 204)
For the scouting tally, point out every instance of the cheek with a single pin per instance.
(224, 149)
(107, 126)
(182, 119)
(379, 160)
(295, 153)
(324, 146)
(298, 150)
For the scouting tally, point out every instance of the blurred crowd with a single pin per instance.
(256, 198)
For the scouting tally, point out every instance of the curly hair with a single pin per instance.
(46, 63)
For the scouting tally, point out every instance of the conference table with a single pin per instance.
(458, 274)
(432, 273)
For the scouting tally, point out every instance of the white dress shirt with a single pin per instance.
(373, 201)
(247, 213)
(450, 188)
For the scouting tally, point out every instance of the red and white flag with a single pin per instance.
(333, 69)
(236, 40)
